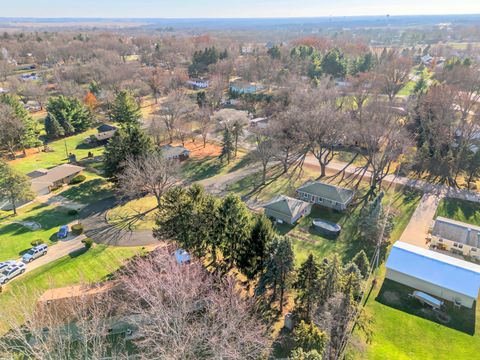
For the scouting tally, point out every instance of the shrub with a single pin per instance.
(72, 212)
(37, 242)
(88, 242)
(310, 337)
(77, 229)
(77, 179)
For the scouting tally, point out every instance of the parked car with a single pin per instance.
(6, 264)
(63, 232)
(12, 271)
(34, 253)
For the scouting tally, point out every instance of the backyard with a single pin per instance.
(422, 334)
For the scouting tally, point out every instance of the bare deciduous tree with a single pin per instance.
(191, 314)
(152, 174)
(173, 109)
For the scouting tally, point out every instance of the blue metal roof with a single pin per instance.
(442, 270)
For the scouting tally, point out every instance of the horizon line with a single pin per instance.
(229, 18)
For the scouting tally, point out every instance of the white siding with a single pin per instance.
(429, 288)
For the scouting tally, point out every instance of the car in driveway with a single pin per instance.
(12, 271)
(63, 232)
(5, 264)
(35, 253)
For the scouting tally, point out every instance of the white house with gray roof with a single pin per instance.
(327, 195)
(456, 237)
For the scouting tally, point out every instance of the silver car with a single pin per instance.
(34, 253)
(12, 271)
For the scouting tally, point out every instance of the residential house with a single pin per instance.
(44, 181)
(434, 273)
(259, 122)
(198, 83)
(284, 209)
(100, 138)
(175, 152)
(456, 237)
(327, 195)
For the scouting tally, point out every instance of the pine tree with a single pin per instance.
(309, 337)
(128, 141)
(227, 145)
(330, 279)
(279, 267)
(30, 136)
(125, 109)
(362, 262)
(70, 113)
(235, 224)
(307, 285)
(53, 128)
(253, 253)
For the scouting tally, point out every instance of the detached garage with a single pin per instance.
(436, 274)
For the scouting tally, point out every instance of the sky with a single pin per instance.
(230, 9)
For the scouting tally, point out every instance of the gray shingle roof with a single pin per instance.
(457, 231)
(55, 174)
(327, 191)
(287, 205)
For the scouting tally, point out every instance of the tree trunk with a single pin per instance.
(14, 205)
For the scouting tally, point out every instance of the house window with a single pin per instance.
(460, 246)
(320, 199)
(455, 244)
(474, 249)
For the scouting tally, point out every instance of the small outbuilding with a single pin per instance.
(288, 210)
(434, 273)
(175, 152)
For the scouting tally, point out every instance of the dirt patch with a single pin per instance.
(20, 156)
(391, 297)
(197, 151)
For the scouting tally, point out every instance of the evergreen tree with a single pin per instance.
(228, 146)
(125, 109)
(307, 285)
(30, 133)
(252, 255)
(330, 279)
(234, 228)
(278, 269)
(362, 262)
(333, 64)
(70, 113)
(309, 337)
(274, 52)
(128, 141)
(352, 280)
(53, 128)
(299, 354)
(373, 220)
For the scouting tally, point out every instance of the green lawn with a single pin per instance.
(94, 188)
(16, 238)
(200, 169)
(81, 267)
(460, 210)
(402, 330)
(138, 213)
(305, 239)
(74, 144)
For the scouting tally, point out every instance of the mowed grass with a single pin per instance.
(460, 210)
(195, 169)
(305, 238)
(139, 214)
(81, 267)
(72, 144)
(402, 330)
(15, 238)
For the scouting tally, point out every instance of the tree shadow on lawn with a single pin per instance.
(200, 169)
(78, 252)
(395, 295)
(468, 208)
(87, 191)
